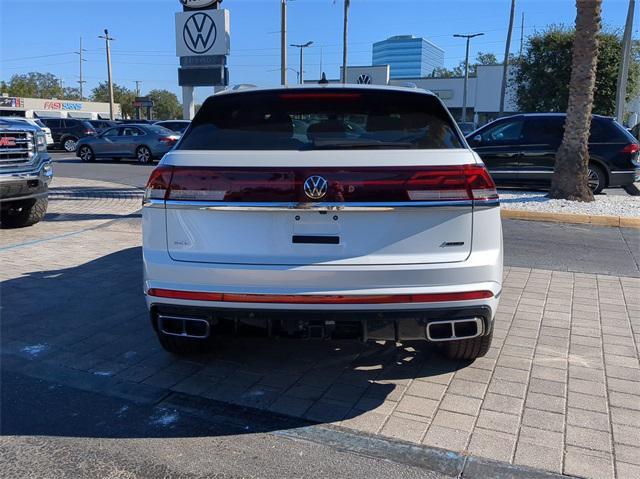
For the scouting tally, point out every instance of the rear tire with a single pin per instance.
(86, 153)
(69, 144)
(24, 213)
(468, 348)
(182, 346)
(143, 153)
(597, 179)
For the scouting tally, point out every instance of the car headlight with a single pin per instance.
(41, 142)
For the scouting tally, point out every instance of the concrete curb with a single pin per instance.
(617, 221)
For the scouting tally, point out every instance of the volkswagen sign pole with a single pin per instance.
(202, 43)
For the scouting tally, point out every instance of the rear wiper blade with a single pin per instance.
(333, 145)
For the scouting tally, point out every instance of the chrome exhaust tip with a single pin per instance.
(184, 327)
(455, 329)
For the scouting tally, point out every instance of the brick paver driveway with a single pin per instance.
(559, 390)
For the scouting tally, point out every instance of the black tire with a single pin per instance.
(182, 346)
(24, 213)
(597, 178)
(144, 156)
(86, 153)
(69, 143)
(468, 348)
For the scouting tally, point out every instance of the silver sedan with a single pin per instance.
(142, 142)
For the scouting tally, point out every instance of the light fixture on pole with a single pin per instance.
(302, 46)
(466, 71)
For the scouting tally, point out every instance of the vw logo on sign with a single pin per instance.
(364, 79)
(315, 187)
(199, 33)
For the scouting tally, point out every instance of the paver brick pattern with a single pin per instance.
(559, 389)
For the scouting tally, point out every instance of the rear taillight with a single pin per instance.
(460, 183)
(158, 184)
(631, 148)
(168, 140)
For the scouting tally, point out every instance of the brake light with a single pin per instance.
(158, 184)
(169, 140)
(458, 183)
(320, 299)
(631, 148)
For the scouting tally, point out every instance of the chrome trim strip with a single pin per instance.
(624, 172)
(288, 206)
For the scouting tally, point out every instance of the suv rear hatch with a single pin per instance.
(322, 177)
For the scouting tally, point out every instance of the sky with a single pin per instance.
(42, 35)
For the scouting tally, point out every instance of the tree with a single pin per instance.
(71, 93)
(458, 71)
(165, 104)
(569, 179)
(121, 95)
(544, 71)
(34, 85)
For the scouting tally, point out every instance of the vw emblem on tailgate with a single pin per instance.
(199, 33)
(315, 187)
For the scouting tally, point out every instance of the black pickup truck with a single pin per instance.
(25, 174)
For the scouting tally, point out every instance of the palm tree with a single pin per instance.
(572, 160)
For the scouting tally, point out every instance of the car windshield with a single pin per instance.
(321, 119)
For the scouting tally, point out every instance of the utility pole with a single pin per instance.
(107, 39)
(81, 82)
(466, 71)
(283, 42)
(302, 46)
(505, 65)
(137, 82)
(521, 34)
(345, 37)
(623, 72)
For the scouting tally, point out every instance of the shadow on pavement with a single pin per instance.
(74, 339)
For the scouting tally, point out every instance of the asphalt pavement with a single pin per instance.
(531, 244)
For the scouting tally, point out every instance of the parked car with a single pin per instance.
(143, 142)
(130, 121)
(520, 150)
(25, 173)
(33, 122)
(179, 126)
(67, 131)
(331, 235)
(101, 125)
(635, 131)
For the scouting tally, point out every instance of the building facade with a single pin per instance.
(408, 56)
(39, 108)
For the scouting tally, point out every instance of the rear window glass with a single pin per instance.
(607, 131)
(313, 119)
(160, 130)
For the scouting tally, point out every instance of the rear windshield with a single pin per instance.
(314, 119)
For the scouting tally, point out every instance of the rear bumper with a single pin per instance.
(357, 324)
(623, 177)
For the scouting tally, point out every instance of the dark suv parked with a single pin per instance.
(520, 150)
(67, 131)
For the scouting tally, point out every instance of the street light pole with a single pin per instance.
(623, 72)
(505, 66)
(345, 35)
(283, 42)
(466, 72)
(302, 46)
(107, 39)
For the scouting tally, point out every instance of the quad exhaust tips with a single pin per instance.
(455, 329)
(184, 327)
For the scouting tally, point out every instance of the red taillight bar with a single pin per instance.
(320, 299)
(631, 148)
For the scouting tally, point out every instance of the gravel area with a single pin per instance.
(628, 206)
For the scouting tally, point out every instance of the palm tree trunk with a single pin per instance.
(570, 173)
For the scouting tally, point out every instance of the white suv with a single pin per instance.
(323, 211)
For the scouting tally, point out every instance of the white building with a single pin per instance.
(39, 108)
